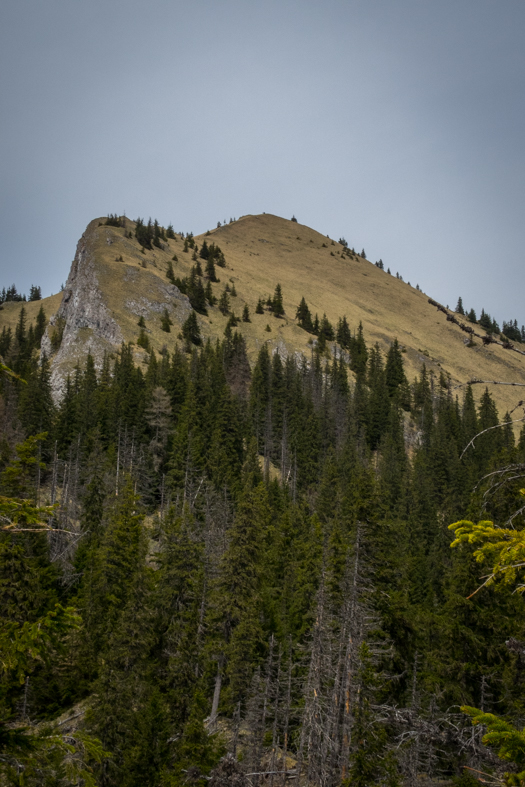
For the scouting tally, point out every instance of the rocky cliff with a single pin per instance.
(102, 300)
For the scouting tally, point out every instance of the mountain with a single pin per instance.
(209, 575)
(113, 283)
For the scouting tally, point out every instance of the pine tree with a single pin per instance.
(395, 376)
(106, 587)
(128, 713)
(224, 303)
(165, 321)
(156, 234)
(235, 608)
(379, 404)
(40, 326)
(343, 335)
(170, 275)
(358, 352)
(158, 416)
(179, 596)
(210, 268)
(195, 292)
(143, 340)
(277, 302)
(326, 333)
(36, 408)
(208, 292)
(303, 316)
(260, 391)
(485, 321)
(191, 331)
(368, 763)
(35, 293)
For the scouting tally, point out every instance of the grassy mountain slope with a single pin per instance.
(260, 252)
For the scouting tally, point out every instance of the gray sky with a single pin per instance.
(396, 123)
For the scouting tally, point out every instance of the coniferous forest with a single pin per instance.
(217, 574)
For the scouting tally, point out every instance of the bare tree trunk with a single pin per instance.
(54, 476)
(275, 728)
(118, 462)
(287, 711)
(212, 724)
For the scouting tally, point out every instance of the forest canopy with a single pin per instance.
(250, 569)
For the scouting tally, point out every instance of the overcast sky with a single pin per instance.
(398, 124)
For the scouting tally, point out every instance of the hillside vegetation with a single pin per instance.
(222, 564)
(260, 252)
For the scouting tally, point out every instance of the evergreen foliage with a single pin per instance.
(170, 275)
(224, 302)
(165, 321)
(257, 551)
(35, 293)
(303, 316)
(277, 302)
(144, 233)
(11, 294)
(191, 331)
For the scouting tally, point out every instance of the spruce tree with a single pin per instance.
(224, 303)
(170, 275)
(343, 335)
(303, 316)
(277, 302)
(165, 321)
(40, 326)
(236, 604)
(210, 268)
(191, 331)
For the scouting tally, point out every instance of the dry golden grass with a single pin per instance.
(10, 312)
(264, 250)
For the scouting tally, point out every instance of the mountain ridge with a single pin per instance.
(113, 283)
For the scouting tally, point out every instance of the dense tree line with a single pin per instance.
(260, 562)
(510, 329)
(11, 294)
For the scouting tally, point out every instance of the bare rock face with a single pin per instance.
(102, 300)
(85, 320)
